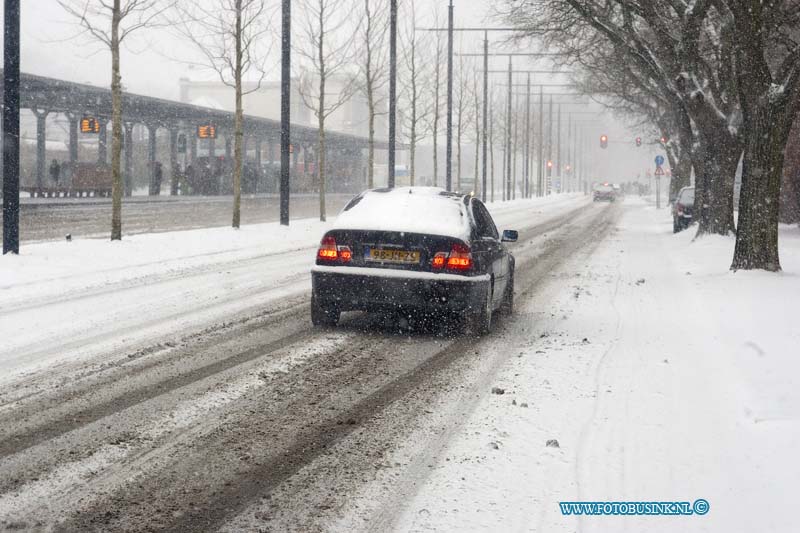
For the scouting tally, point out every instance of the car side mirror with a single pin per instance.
(510, 235)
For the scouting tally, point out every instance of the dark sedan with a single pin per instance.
(417, 250)
(604, 193)
(683, 209)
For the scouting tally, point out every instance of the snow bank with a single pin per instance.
(662, 375)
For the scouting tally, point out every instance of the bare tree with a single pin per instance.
(412, 80)
(229, 35)
(463, 102)
(111, 22)
(374, 71)
(436, 114)
(328, 49)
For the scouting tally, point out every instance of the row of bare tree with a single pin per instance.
(719, 78)
(341, 41)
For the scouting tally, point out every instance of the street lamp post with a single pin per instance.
(393, 89)
(11, 73)
(286, 81)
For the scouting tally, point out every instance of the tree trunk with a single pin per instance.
(715, 164)
(321, 117)
(370, 101)
(757, 239)
(238, 122)
(790, 190)
(116, 128)
(458, 154)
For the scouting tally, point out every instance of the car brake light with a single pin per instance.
(460, 258)
(680, 208)
(439, 260)
(345, 254)
(327, 250)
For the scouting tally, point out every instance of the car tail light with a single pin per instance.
(439, 260)
(327, 249)
(460, 258)
(345, 254)
(679, 208)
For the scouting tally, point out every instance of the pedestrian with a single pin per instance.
(158, 175)
(55, 171)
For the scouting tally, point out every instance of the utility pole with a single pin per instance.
(286, 109)
(540, 176)
(393, 88)
(450, 24)
(527, 139)
(560, 166)
(507, 194)
(11, 128)
(550, 148)
(485, 106)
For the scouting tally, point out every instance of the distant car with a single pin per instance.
(417, 250)
(683, 209)
(604, 193)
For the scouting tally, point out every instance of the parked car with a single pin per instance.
(418, 250)
(683, 209)
(604, 193)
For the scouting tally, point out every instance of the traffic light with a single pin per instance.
(663, 140)
(638, 142)
(549, 167)
(604, 141)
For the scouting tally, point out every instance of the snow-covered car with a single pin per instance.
(419, 250)
(605, 193)
(683, 209)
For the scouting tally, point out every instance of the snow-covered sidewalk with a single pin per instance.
(64, 301)
(661, 375)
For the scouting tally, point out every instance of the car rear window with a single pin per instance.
(687, 197)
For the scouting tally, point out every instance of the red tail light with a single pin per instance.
(439, 260)
(460, 258)
(329, 252)
(679, 208)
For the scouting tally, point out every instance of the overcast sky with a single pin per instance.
(155, 60)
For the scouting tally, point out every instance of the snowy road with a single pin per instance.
(199, 397)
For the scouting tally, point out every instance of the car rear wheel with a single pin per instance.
(479, 321)
(676, 225)
(507, 307)
(323, 314)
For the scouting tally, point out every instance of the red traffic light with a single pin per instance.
(664, 140)
(604, 141)
(638, 141)
(549, 164)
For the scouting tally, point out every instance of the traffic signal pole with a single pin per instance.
(11, 70)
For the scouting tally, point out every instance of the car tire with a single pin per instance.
(507, 307)
(323, 315)
(479, 322)
(676, 225)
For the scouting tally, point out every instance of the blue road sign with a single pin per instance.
(659, 160)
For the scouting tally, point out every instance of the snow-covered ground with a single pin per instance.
(65, 301)
(662, 376)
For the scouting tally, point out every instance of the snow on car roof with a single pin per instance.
(428, 210)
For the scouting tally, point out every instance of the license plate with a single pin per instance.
(386, 255)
